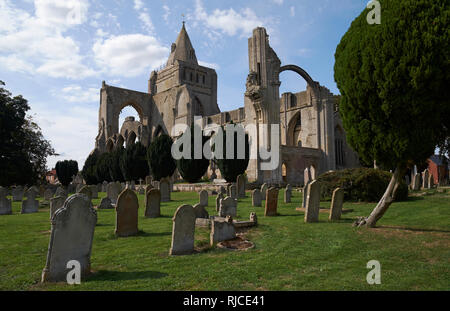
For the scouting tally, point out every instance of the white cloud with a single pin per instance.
(147, 22)
(138, 4)
(130, 55)
(166, 13)
(292, 11)
(40, 39)
(228, 21)
(209, 65)
(77, 94)
(279, 2)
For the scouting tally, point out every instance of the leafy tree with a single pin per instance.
(24, 151)
(89, 169)
(133, 162)
(193, 169)
(102, 167)
(231, 168)
(114, 164)
(394, 78)
(159, 157)
(65, 170)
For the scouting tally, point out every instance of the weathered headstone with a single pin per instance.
(233, 191)
(203, 198)
(229, 189)
(112, 191)
(55, 204)
(287, 194)
(105, 203)
(313, 173)
(240, 184)
(86, 190)
(164, 187)
(78, 188)
(218, 198)
(5, 203)
(336, 204)
(48, 194)
(222, 190)
(228, 207)
(183, 231)
(306, 176)
(148, 180)
(416, 182)
(264, 188)
(312, 202)
(104, 186)
(256, 198)
(222, 230)
(94, 191)
(17, 193)
(141, 190)
(430, 181)
(60, 192)
(425, 176)
(271, 202)
(200, 211)
(30, 204)
(71, 238)
(127, 214)
(305, 194)
(153, 203)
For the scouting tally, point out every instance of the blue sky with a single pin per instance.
(57, 52)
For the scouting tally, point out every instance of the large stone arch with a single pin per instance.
(314, 85)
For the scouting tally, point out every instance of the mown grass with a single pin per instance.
(411, 243)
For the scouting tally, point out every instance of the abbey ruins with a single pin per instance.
(311, 131)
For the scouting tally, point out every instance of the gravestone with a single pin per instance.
(203, 198)
(48, 194)
(17, 193)
(312, 202)
(222, 190)
(127, 214)
(336, 204)
(148, 180)
(430, 181)
(183, 231)
(221, 230)
(41, 191)
(305, 194)
(228, 207)
(78, 188)
(30, 204)
(133, 185)
(5, 203)
(55, 204)
(233, 191)
(99, 187)
(218, 198)
(112, 192)
(94, 191)
(264, 188)
(240, 184)
(71, 238)
(153, 203)
(104, 186)
(271, 202)
(164, 187)
(229, 189)
(60, 192)
(105, 203)
(141, 190)
(253, 218)
(306, 176)
(287, 194)
(416, 182)
(313, 173)
(200, 211)
(122, 186)
(256, 198)
(86, 190)
(425, 176)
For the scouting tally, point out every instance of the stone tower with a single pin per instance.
(262, 104)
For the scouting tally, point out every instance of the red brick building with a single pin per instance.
(438, 167)
(51, 177)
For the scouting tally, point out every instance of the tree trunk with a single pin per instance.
(384, 203)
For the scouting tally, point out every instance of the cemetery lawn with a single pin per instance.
(412, 243)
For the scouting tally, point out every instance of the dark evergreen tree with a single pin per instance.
(89, 169)
(394, 80)
(159, 157)
(102, 167)
(133, 162)
(114, 164)
(65, 170)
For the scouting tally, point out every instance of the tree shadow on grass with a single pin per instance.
(105, 275)
(146, 234)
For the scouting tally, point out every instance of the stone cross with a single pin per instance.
(183, 230)
(336, 204)
(312, 202)
(127, 214)
(256, 198)
(271, 202)
(71, 238)
(153, 203)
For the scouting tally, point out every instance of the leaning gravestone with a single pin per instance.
(30, 204)
(164, 187)
(264, 188)
(287, 194)
(203, 196)
(240, 184)
(153, 203)
(228, 207)
(127, 214)
(271, 202)
(94, 191)
(256, 198)
(313, 173)
(336, 204)
(305, 194)
(17, 193)
(312, 202)
(218, 198)
(112, 191)
(222, 230)
(105, 203)
(306, 176)
(183, 230)
(71, 238)
(55, 204)
(5, 204)
(86, 190)
(200, 211)
(416, 182)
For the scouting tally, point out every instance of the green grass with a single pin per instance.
(411, 243)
